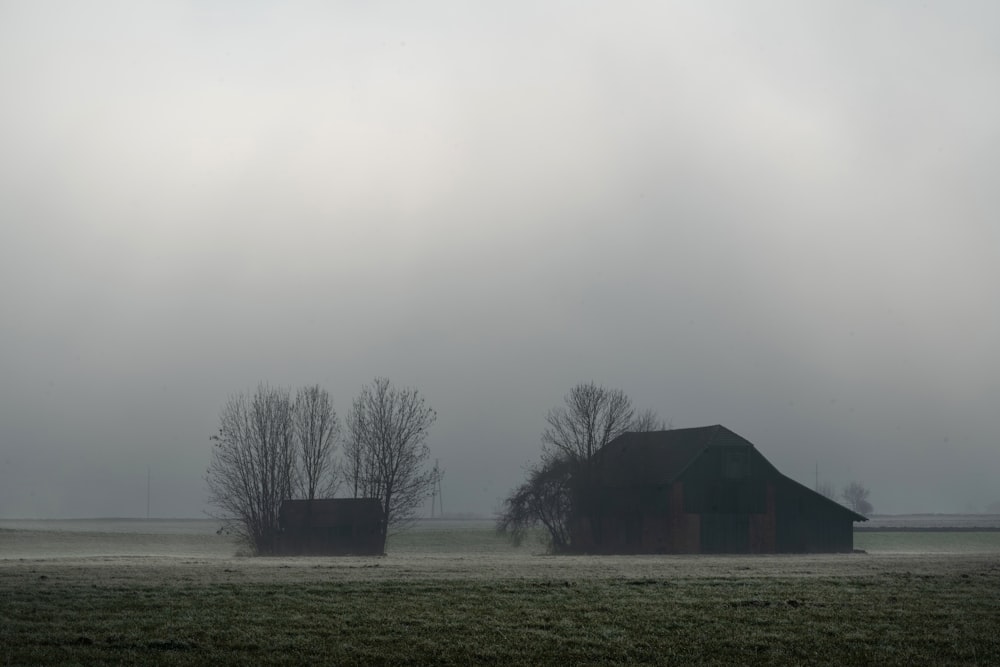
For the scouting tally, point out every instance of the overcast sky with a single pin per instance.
(777, 216)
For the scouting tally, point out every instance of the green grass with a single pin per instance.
(454, 593)
(892, 617)
(928, 541)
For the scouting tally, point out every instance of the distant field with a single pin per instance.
(452, 593)
(920, 522)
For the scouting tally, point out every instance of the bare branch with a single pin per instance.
(592, 417)
(649, 420)
(544, 499)
(316, 431)
(386, 451)
(253, 464)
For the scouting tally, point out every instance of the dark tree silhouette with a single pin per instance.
(386, 452)
(253, 465)
(316, 432)
(592, 417)
(544, 498)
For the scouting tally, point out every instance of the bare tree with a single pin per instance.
(544, 498)
(855, 496)
(355, 462)
(563, 484)
(592, 417)
(649, 420)
(253, 464)
(387, 451)
(316, 431)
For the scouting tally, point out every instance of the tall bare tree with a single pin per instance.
(592, 417)
(571, 444)
(387, 453)
(855, 496)
(316, 432)
(253, 464)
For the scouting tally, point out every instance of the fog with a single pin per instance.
(780, 217)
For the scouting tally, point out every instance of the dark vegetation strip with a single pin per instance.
(888, 619)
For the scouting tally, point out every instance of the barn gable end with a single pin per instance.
(703, 490)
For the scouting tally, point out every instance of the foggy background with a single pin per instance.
(777, 216)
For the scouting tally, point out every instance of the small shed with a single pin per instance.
(702, 490)
(331, 527)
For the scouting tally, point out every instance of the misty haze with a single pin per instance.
(773, 221)
(782, 220)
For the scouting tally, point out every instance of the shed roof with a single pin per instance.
(325, 512)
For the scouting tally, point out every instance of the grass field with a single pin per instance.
(450, 593)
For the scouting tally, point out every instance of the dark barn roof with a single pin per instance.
(654, 457)
(660, 457)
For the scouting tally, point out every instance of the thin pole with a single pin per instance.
(149, 478)
(438, 484)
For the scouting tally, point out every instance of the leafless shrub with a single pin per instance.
(543, 499)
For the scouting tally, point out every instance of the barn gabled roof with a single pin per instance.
(661, 457)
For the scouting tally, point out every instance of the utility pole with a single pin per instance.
(436, 492)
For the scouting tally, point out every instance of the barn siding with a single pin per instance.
(809, 523)
(685, 528)
(722, 496)
(762, 526)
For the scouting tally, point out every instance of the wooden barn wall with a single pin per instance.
(685, 528)
(725, 481)
(731, 500)
(807, 523)
(763, 527)
(648, 519)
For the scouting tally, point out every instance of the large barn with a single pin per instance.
(703, 490)
(331, 527)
